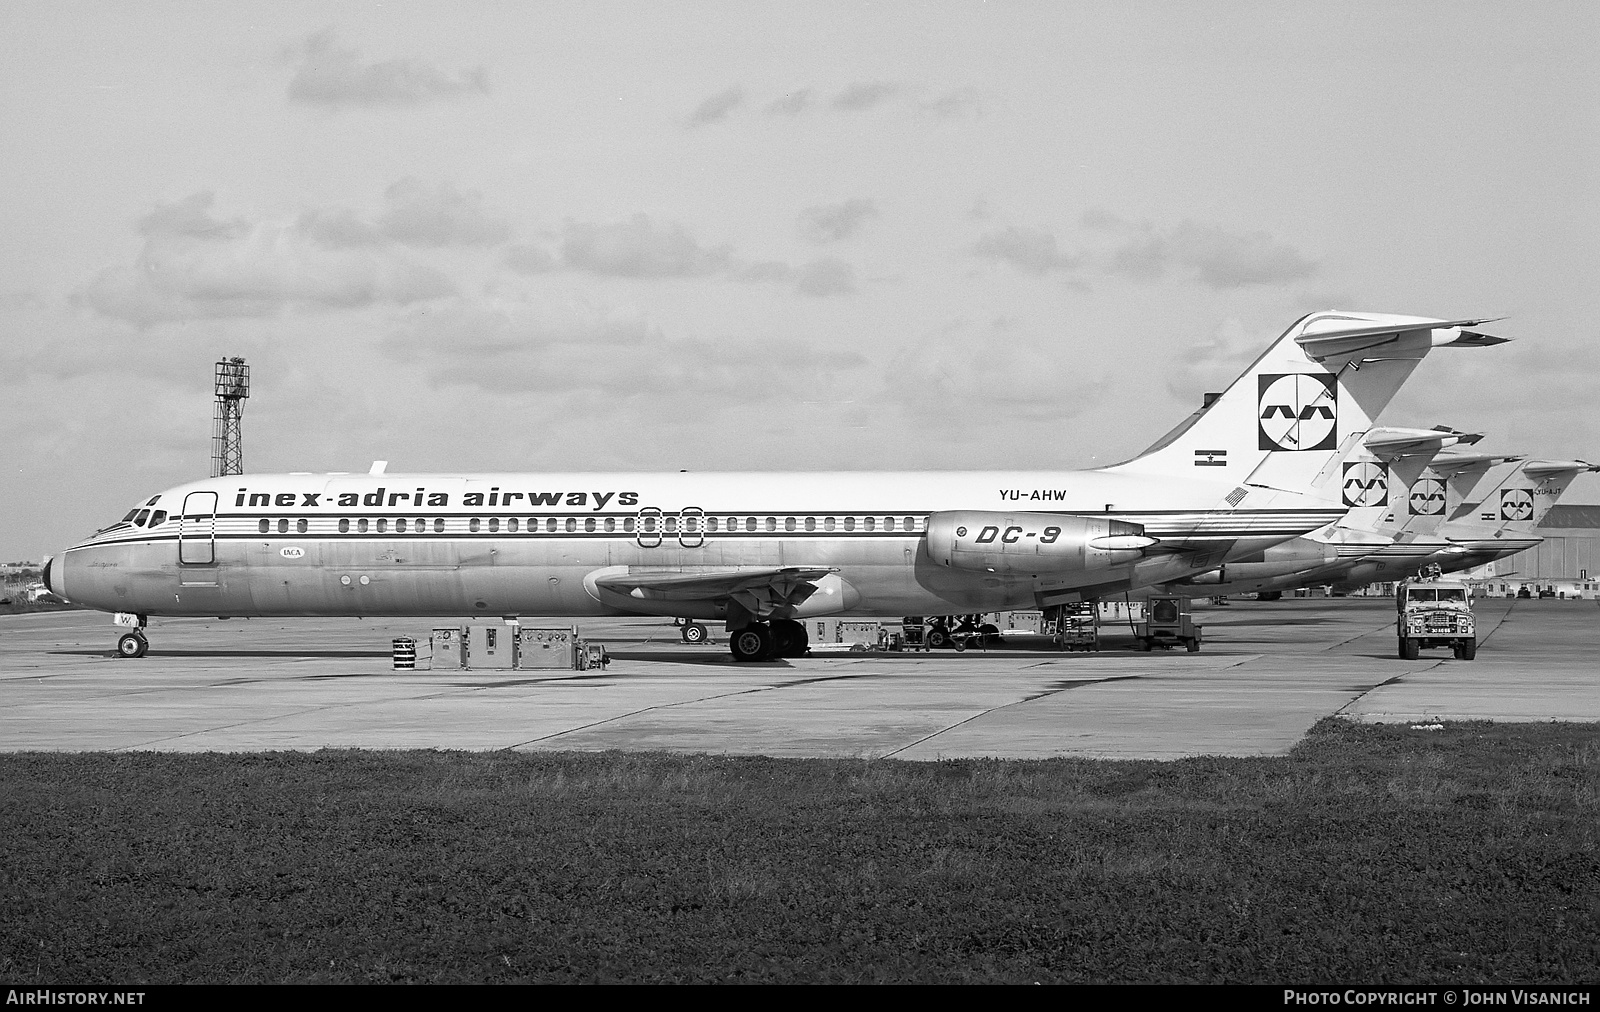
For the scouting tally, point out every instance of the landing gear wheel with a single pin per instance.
(694, 632)
(752, 643)
(789, 638)
(132, 645)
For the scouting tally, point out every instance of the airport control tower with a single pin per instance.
(227, 436)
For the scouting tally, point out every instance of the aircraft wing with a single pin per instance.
(759, 592)
(700, 585)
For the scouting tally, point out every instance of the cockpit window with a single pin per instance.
(131, 514)
(141, 517)
(158, 518)
(153, 500)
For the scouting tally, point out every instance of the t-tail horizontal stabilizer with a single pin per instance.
(1305, 404)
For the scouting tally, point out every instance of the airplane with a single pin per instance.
(1440, 528)
(1501, 523)
(760, 552)
(1388, 457)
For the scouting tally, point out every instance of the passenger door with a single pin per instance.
(197, 531)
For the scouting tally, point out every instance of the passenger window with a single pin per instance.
(550, 525)
(572, 525)
(511, 525)
(772, 523)
(711, 525)
(438, 525)
(611, 524)
(849, 523)
(422, 525)
(494, 525)
(749, 523)
(265, 526)
(911, 524)
(811, 523)
(400, 525)
(788, 523)
(361, 525)
(283, 527)
(827, 523)
(627, 525)
(672, 525)
(300, 526)
(888, 523)
(383, 525)
(473, 524)
(344, 526)
(867, 524)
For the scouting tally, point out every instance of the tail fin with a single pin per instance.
(1306, 403)
(1376, 481)
(1441, 489)
(1519, 501)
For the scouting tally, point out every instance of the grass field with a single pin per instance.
(1370, 854)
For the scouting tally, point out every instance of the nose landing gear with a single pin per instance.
(132, 643)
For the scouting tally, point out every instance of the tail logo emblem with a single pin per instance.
(1366, 484)
(1427, 497)
(1298, 411)
(1516, 504)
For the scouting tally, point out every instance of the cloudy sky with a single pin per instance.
(583, 236)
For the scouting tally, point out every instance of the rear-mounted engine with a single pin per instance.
(1032, 543)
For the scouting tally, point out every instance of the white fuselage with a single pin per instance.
(526, 544)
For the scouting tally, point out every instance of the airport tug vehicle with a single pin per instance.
(1167, 623)
(1435, 613)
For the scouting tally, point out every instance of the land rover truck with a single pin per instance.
(1435, 613)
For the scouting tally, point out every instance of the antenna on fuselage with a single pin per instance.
(227, 433)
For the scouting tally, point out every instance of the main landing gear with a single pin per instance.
(763, 641)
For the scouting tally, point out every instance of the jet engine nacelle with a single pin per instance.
(1028, 544)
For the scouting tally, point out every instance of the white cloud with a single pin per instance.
(1028, 249)
(832, 222)
(1000, 369)
(865, 95)
(440, 216)
(639, 248)
(717, 107)
(961, 102)
(568, 350)
(332, 76)
(194, 265)
(1217, 257)
(824, 277)
(792, 104)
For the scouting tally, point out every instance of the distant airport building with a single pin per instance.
(1571, 548)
